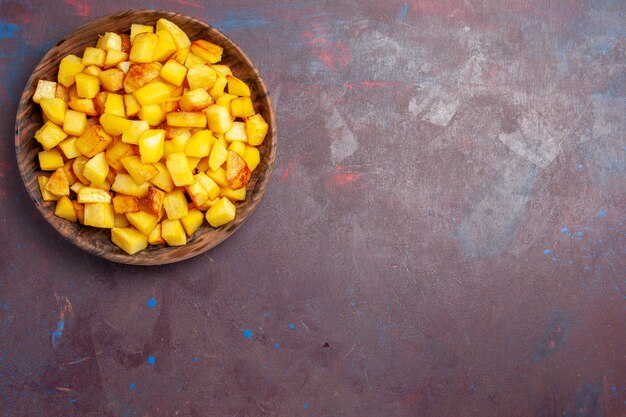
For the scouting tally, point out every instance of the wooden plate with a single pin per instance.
(98, 241)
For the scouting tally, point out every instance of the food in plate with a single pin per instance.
(149, 135)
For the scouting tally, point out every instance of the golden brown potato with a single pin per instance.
(139, 75)
(237, 171)
(125, 204)
(126, 44)
(99, 101)
(154, 201)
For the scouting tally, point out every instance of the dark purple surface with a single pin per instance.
(444, 229)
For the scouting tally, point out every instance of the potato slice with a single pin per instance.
(143, 221)
(180, 37)
(221, 213)
(45, 89)
(256, 130)
(237, 171)
(140, 74)
(237, 87)
(112, 79)
(125, 204)
(58, 183)
(154, 201)
(154, 92)
(195, 100)
(75, 123)
(96, 169)
(218, 118)
(192, 221)
(128, 239)
(186, 119)
(65, 209)
(68, 68)
(155, 238)
(206, 50)
(174, 72)
(139, 171)
(173, 232)
(93, 141)
(110, 41)
(165, 46)
(125, 184)
(54, 109)
(137, 28)
(92, 195)
(175, 204)
(99, 215)
(94, 56)
(50, 160)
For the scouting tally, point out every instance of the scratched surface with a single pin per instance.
(443, 235)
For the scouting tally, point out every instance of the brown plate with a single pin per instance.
(98, 241)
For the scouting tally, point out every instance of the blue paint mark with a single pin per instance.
(547, 252)
(565, 230)
(152, 302)
(195, 359)
(305, 405)
(56, 335)
(603, 46)
(240, 24)
(402, 13)
(580, 167)
(353, 304)
(587, 229)
(8, 30)
(152, 7)
(74, 400)
(614, 388)
(4, 306)
(291, 326)
(276, 345)
(247, 334)
(131, 386)
(151, 360)
(602, 214)
(579, 234)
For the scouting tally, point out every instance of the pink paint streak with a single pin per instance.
(344, 175)
(335, 55)
(82, 8)
(369, 84)
(285, 176)
(346, 178)
(493, 71)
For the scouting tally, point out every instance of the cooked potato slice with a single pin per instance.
(128, 239)
(237, 171)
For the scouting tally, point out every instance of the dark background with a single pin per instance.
(443, 234)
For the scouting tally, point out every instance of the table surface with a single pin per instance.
(443, 234)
